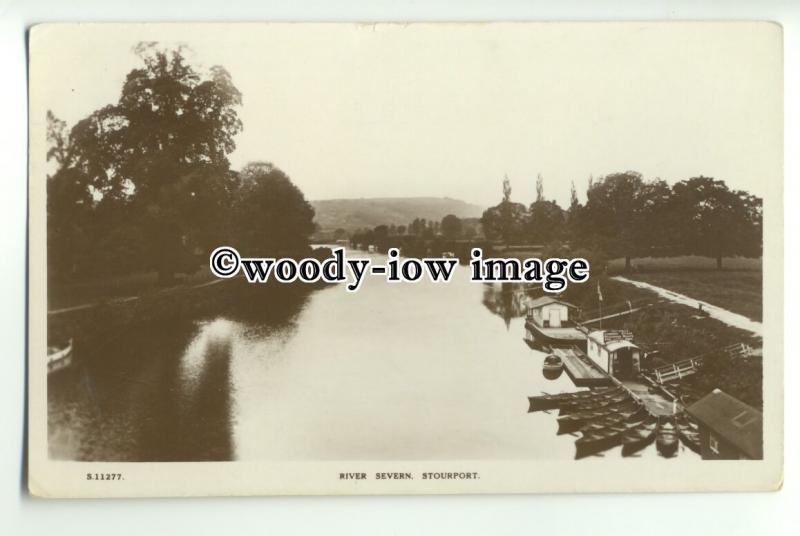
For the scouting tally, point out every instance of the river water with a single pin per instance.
(394, 371)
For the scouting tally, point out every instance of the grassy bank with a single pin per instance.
(671, 332)
(101, 325)
(134, 350)
(69, 294)
(737, 287)
(740, 292)
(684, 262)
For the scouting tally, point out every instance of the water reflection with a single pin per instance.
(552, 374)
(138, 402)
(413, 371)
(506, 300)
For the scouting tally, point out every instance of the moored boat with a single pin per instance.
(548, 323)
(639, 435)
(667, 437)
(608, 399)
(59, 358)
(623, 414)
(596, 418)
(552, 362)
(688, 432)
(595, 441)
(547, 401)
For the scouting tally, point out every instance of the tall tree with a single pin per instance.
(714, 221)
(271, 215)
(539, 187)
(164, 141)
(572, 216)
(653, 230)
(609, 217)
(451, 227)
(506, 220)
(69, 205)
(545, 222)
(573, 197)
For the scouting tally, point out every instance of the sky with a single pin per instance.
(394, 110)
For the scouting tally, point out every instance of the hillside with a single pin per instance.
(352, 214)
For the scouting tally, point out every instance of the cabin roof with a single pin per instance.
(732, 419)
(547, 300)
(618, 345)
(612, 339)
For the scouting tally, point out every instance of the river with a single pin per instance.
(394, 371)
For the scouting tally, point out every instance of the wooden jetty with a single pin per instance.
(678, 370)
(582, 371)
(687, 367)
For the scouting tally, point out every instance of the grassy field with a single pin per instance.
(737, 287)
(739, 292)
(685, 262)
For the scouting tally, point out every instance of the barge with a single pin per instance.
(548, 324)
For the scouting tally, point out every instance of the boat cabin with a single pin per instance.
(549, 312)
(614, 352)
(729, 428)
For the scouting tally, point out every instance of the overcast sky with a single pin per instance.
(426, 110)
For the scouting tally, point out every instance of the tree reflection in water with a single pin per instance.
(507, 300)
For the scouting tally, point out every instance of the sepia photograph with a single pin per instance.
(459, 258)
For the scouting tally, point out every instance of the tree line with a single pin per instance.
(146, 184)
(451, 227)
(626, 216)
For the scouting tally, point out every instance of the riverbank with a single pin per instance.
(98, 324)
(392, 372)
(671, 332)
(737, 291)
(88, 292)
(128, 396)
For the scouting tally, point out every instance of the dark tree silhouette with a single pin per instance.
(545, 222)
(271, 215)
(608, 220)
(161, 152)
(451, 227)
(716, 222)
(506, 220)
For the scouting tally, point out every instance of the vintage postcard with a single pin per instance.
(405, 258)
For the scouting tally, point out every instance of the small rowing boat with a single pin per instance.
(667, 437)
(59, 358)
(639, 435)
(548, 401)
(688, 432)
(595, 441)
(600, 416)
(552, 367)
(610, 399)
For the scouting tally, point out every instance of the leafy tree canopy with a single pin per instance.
(271, 215)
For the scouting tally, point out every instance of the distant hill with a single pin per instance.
(352, 214)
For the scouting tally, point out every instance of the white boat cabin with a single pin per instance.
(614, 352)
(549, 312)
